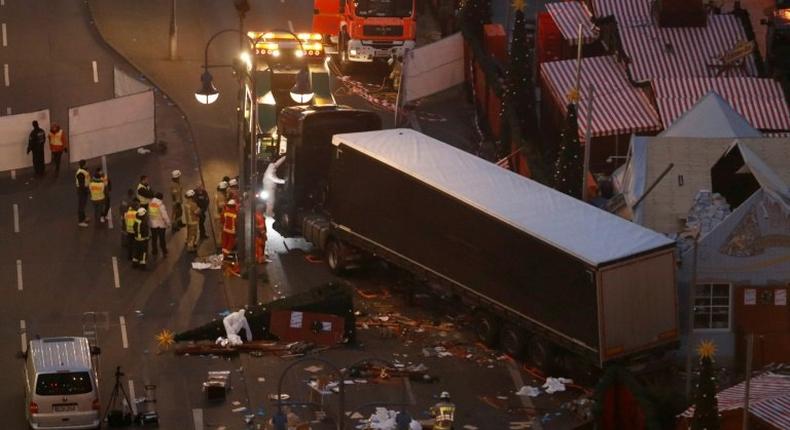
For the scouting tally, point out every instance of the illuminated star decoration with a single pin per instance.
(165, 338)
(706, 349)
(573, 95)
(519, 4)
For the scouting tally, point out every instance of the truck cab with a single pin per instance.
(366, 30)
(308, 131)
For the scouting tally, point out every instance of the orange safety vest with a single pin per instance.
(129, 218)
(153, 209)
(97, 190)
(56, 143)
(229, 221)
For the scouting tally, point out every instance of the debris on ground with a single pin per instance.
(553, 385)
(210, 262)
(217, 385)
(384, 419)
(279, 349)
(582, 408)
(528, 390)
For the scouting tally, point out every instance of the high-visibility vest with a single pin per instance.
(138, 230)
(85, 174)
(97, 190)
(229, 221)
(153, 210)
(143, 200)
(444, 416)
(129, 219)
(56, 141)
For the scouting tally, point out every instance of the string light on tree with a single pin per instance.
(706, 408)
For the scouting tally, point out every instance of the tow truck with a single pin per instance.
(364, 31)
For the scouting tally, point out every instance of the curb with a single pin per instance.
(94, 23)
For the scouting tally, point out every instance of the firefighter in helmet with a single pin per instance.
(443, 412)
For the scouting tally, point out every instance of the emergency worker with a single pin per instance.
(58, 144)
(97, 189)
(443, 412)
(177, 195)
(144, 193)
(191, 216)
(82, 179)
(260, 237)
(142, 232)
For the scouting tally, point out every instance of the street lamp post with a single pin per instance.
(301, 92)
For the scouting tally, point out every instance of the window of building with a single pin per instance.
(712, 306)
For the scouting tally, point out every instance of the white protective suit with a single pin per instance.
(270, 182)
(233, 323)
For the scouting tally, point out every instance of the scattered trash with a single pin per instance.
(217, 385)
(239, 409)
(528, 390)
(283, 396)
(356, 416)
(469, 427)
(313, 369)
(143, 151)
(384, 419)
(261, 379)
(211, 262)
(553, 385)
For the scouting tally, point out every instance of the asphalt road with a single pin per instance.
(53, 272)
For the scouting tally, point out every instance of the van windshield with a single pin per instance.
(63, 384)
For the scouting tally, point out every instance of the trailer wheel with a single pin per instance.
(487, 329)
(513, 341)
(540, 353)
(334, 257)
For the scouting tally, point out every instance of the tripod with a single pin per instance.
(116, 416)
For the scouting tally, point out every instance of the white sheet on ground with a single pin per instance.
(234, 323)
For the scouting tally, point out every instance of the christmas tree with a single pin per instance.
(517, 76)
(568, 168)
(706, 408)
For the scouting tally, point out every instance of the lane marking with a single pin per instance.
(19, 283)
(13, 172)
(8, 110)
(132, 397)
(5, 37)
(197, 418)
(23, 335)
(5, 75)
(115, 275)
(124, 339)
(109, 211)
(2, 2)
(518, 381)
(95, 72)
(291, 26)
(16, 208)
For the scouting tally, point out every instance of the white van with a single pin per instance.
(61, 384)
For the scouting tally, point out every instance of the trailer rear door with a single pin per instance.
(638, 305)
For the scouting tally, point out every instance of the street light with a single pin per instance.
(208, 93)
(302, 91)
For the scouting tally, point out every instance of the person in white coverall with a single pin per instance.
(270, 182)
(233, 323)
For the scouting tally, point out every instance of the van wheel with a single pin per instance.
(334, 257)
(487, 329)
(513, 341)
(540, 353)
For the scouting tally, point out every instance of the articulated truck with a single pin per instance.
(548, 275)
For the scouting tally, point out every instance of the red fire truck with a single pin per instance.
(363, 31)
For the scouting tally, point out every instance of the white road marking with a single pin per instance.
(5, 75)
(132, 397)
(115, 275)
(19, 282)
(5, 37)
(124, 339)
(197, 418)
(518, 381)
(109, 212)
(23, 335)
(16, 208)
(291, 26)
(2, 2)
(8, 110)
(95, 72)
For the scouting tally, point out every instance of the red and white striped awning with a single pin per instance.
(657, 52)
(769, 399)
(618, 107)
(568, 15)
(760, 101)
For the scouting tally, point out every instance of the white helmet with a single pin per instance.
(231, 202)
(141, 212)
(223, 185)
(175, 174)
(445, 395)
(233, 182)
(190, 193)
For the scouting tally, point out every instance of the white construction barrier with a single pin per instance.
(433, 68)
(125, 85)
(14, 132)
(112, 126)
